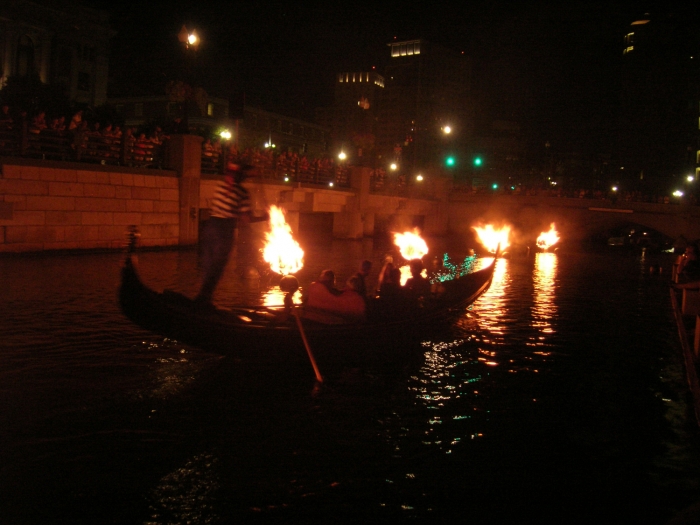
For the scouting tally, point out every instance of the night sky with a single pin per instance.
(532, 61)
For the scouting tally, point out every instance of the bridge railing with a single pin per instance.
(81, 146)
(288, 171)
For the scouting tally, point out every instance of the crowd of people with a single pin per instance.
(573, 193)
(96, 139)
(77, 137)
(40, 122)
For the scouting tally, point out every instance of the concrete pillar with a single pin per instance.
(436, 222)
(185, 157)
(351, 223)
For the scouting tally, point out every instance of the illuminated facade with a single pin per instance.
(66, 46)
(353, 117)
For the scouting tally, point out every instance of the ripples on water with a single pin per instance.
(557, 398)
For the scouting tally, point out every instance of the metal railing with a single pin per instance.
(80, 146)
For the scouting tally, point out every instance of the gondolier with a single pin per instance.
(230, 205)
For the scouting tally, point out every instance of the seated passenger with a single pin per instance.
(325, 304)
(689, 264)
(361, 275)
(417, 285)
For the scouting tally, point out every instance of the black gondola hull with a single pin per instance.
(265, 334)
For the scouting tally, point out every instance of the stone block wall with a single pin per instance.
(62, 206)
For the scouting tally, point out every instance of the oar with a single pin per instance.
(319, 378)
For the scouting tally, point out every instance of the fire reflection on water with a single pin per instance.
(452, 370)
(275, 297)
(544, 309)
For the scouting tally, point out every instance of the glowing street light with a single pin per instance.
(393, 166)
(678, 193)
(342, 155)
(447, 130)
(187, 38)
(690, 178)
(419, 177)
(225, 134)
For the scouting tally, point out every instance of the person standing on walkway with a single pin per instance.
(230, 205)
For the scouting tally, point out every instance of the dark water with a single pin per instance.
(559, 397)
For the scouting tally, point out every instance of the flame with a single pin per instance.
(411, 245)
(282, 252)
(491, 238)
(548, 239)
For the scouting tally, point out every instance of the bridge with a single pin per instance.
(438, 210)
(61, 205)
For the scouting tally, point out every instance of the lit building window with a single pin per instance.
(405, 48)
(210, 109)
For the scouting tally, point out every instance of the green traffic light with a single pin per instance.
(450, 161)
(477, 161)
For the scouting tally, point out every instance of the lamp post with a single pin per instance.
(190, 41)
(225, 135)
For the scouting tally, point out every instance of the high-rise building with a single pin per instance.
(353, 118)
(660, 101)
(426, 109)
(416, 112)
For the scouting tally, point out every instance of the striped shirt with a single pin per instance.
(231, 200)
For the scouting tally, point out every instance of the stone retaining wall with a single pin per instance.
(65, 206)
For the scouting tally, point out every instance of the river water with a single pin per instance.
(559, 397)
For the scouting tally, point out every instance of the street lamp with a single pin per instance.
(225, 137)
(190, 41)
(342, 155)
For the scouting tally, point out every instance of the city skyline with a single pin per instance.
(535, 64)
(558, 76)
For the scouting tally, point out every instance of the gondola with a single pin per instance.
(261, 332)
